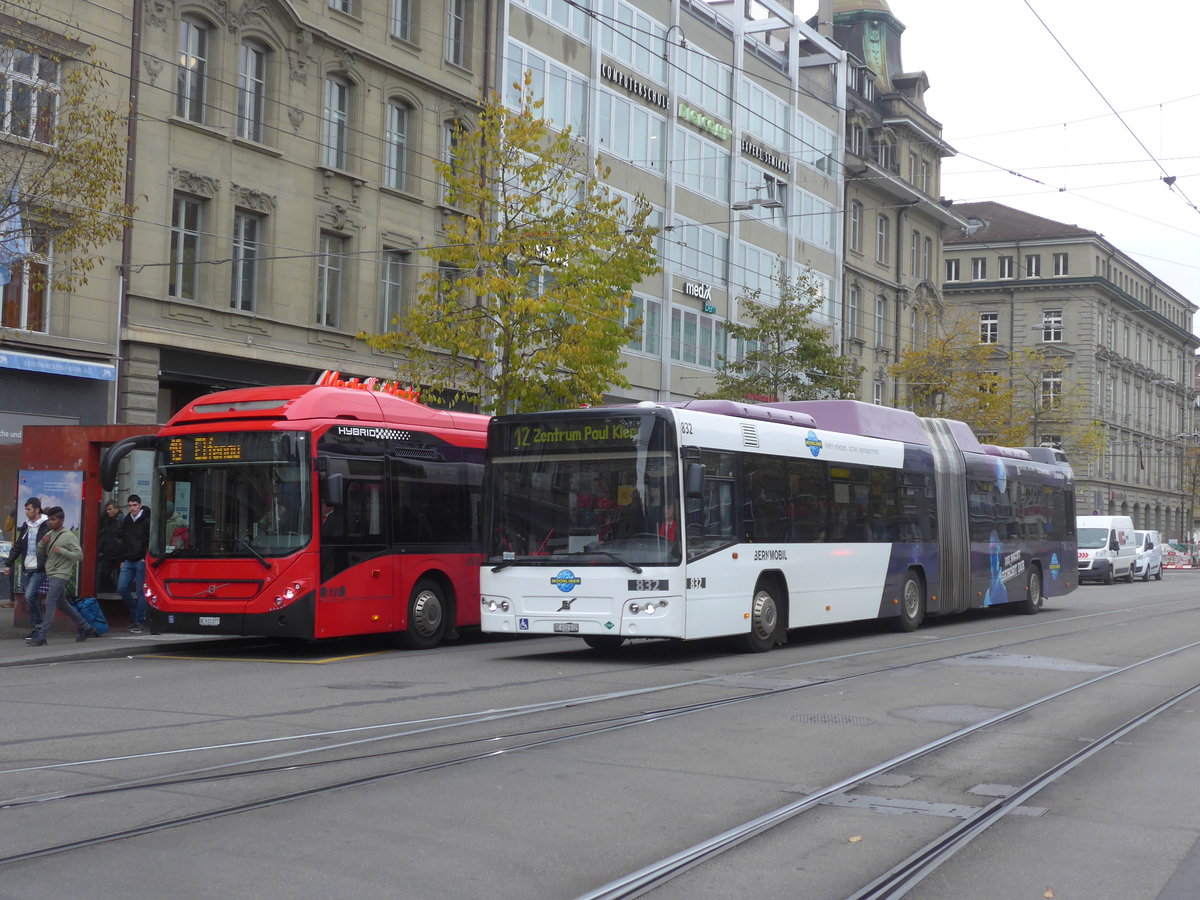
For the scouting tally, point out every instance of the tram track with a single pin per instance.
(905, 875)
(520, 741)
(419, 726)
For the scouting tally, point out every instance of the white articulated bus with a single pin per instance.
(708, 517)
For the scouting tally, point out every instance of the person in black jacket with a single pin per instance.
(24, 548)
(110, 549)
(135, 541)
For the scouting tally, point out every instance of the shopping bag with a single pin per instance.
(92, 614)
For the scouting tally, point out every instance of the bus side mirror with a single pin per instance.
(693, 481)
(332, 492)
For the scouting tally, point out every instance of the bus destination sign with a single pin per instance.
(598, 432)
(204, 448)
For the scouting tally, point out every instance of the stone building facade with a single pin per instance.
(1109, 327)
(893, 214)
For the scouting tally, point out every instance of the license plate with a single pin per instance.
(566, 627)
(210, 620)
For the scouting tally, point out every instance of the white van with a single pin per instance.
(1106, 548)
(1149, 555)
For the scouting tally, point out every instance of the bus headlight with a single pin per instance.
(648, 608)
(491, 604)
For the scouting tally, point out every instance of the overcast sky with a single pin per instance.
(1010, 98)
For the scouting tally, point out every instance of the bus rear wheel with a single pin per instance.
(764, 621)
(426, 616)
(912, 604)
(1033, 593)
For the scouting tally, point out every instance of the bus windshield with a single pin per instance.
(232, 494)
(600, 487)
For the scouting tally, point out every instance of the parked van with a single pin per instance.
(1106, 548)
(1149, 555)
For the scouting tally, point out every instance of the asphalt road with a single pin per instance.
(533, 768)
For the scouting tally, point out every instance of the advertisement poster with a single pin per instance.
(63, 489)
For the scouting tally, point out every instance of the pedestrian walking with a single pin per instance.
(60, 552)
(110, 550)
(24, 548)
(135, 541)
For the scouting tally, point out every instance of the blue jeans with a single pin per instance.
(129, 586)
(56, 596)
(31, 585)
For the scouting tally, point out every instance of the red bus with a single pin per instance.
(313, 511)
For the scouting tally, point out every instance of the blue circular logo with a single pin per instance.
(1001, 476)
(1055, 566)
(813, 443)
(565, 580)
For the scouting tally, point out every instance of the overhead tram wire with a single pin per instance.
(1169, 180)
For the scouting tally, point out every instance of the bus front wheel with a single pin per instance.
(912, 604)
(426, 616)
(764, 621)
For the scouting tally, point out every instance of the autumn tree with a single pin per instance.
(786, 354)
(954, 376)
(1015, 399)
(527, 304)
(62, 151)
(1048, 401)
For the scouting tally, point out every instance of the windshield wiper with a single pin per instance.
(262, 559)
(525, 557)
(610, 555)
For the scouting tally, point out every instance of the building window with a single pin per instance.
(952, 270)
(1051, 440)
(989, 328)
(853, 295)
(856, 139)
(914, 170)
(927, 258)
(336, 124)
(391, 301)
(1060, 264)
(979, 268)
(396, 165)
(193, 66)
(1006, 267)
(881, 303)
(450, 137)
(1052, 325)
(330, 262)
(252, 69)
(877, 394)
(1033, 265)
(883, 241)
(28, 94)
(696, 338)
(856, 216)
(885, 154)
(456, 31)
(247, 241)
(403, 25)
(186, 223)
(923, 180)
(914, 255)
(26, 296)
(346, 6)
(649, 335)
(1051, 389)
